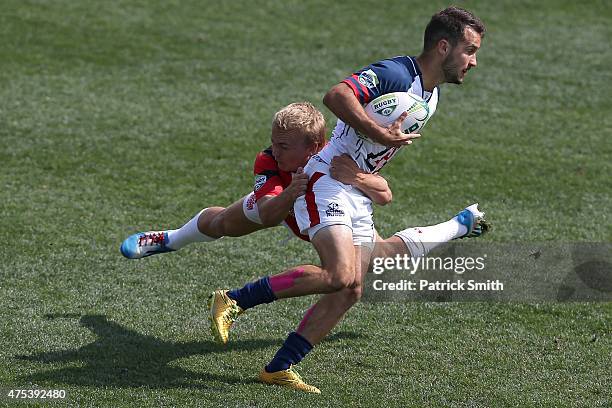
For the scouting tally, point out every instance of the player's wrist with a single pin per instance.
(289, 195)
(377, 133)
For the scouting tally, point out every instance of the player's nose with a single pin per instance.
(473, 62)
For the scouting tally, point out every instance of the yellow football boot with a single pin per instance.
(223, 313)
(287, 378)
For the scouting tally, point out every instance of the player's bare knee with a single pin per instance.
(208, 227)
(212, 227)
(340, 279)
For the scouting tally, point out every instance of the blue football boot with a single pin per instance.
(474, 221)
(145, 244)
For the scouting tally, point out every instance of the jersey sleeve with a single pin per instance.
(382, 77)
(267, 177)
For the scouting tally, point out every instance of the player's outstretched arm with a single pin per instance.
(344, 169)
(342, 102)
(273, 210)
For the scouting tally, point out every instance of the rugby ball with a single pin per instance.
(385, 109)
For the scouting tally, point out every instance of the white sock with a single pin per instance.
(187, 234)
(421, 240)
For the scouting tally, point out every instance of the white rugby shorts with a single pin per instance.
(329, 202)
(249, 207)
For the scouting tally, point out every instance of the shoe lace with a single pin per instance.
(152, 238)
(230, 316)
(232, 312)
(481, 227)
(298, 377)
(485, 226)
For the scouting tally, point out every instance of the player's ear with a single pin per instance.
(444, 47)
(319, 142)
(313, 149)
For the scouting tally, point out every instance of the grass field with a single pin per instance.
(121, 116)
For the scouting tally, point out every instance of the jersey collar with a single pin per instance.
(417, 86)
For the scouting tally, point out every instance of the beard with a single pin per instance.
(451, 71)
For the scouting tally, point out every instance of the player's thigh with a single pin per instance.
(338, 302)
(233, 221)
(334, 244)
(363, 258)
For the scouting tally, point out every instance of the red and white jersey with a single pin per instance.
(399, 74)
(271, 181)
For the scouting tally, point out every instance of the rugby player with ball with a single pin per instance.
(338, 218)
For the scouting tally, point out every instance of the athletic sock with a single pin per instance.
(294, 349)
(421, 240)
(187, 234)
(253, 294)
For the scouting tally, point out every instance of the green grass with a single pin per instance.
(129, 115)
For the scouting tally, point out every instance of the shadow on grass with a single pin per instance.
(121, 357)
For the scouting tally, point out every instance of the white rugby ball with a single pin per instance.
(385, 109)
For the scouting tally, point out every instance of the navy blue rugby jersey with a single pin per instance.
(398, 74)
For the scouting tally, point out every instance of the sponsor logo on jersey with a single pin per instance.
(368, 79)
(333, 209)
(385, 105)
(259, 182)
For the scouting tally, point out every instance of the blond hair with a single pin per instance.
(302, 117)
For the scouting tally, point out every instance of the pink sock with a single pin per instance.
(285, 280)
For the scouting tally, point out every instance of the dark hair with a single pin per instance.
(450, 24)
